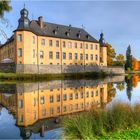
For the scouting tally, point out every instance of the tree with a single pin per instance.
(129, 87)
(110, 54)
(4, 6)
(120, 86)
(120, 60)
(135, 64)
(128, 64)
(135, 80)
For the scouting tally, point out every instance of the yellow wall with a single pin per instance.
(31, 112)
(28, 46)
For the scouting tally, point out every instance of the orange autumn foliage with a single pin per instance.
(135, 80)
(135, 64)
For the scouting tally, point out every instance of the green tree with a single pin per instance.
(120, 60)
(110, 54)
(129, 87)
(4, 7)
(128, 64)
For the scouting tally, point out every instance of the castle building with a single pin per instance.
(41, 47)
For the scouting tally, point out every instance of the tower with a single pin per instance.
(103, 51)
(23, 22)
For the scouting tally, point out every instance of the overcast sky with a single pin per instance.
(120, 21)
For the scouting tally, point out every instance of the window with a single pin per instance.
(70, 107)
(65, 109)
(82, 95)
(70, 44)
(51, 111)
(81, 56)
(81, 45)
(70, 96)
(76, 106)
(76, 95)
(96, 57)
(21, 118)
(50, 43)
(91, 56)
(58, 109)
(41, 54)
(50, 55)
(34, 115)
(70, 56)
(64, 44)
(42, 100)
(19, 37)
(20, 103)
(57, 43)
(33, 39)
(33, 53)
(44, 112)
(91, 46)
(43, 41)
(20, 52)
(58, 98)
(64, 55)
(64, 97)
(86, 56)
(51, 99)
(86, 46)
(87, 94)
(76, 45)
(57, 55)
(34, 101)
(82, 105)
(97, 93)
(96, 47)
(76, 56)
(92, 94)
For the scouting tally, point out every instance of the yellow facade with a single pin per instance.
(35, 105)
(31, 51)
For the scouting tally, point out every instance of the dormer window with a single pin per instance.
(67, 34)
(88, 37)
(55, 32)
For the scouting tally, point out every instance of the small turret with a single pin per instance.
(101, 40)
(23, 21)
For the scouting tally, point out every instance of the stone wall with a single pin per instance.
(7, 67)
(42, 69)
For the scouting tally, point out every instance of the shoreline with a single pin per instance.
(45, 77)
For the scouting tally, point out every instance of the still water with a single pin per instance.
(36, 110)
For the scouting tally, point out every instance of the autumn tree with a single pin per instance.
(111, 92)
(135, 80)
(120, 60)
(128, 64)
(135, 64)
(120, 86)
(110, 54)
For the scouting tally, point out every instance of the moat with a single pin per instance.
(36, 110)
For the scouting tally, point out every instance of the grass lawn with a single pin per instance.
(125, 134)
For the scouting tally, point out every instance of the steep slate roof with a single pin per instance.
(8, 41)
(58, 31)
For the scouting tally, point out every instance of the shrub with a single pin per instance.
(118, 117)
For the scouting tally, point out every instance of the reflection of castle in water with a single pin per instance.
(33, 103)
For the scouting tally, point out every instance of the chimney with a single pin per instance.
(40, 21)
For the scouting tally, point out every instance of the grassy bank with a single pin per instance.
(42, 77)
(118, 122)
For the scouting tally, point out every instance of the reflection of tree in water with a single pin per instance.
(129, 87)
(120, 86)
(111, 92)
